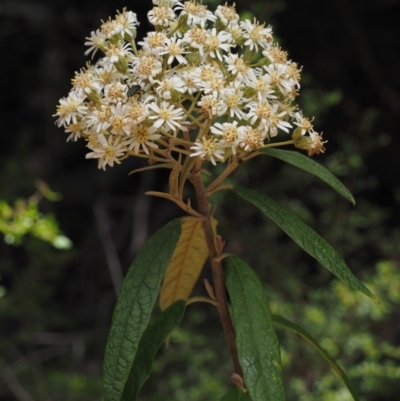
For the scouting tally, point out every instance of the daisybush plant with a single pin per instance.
(202, 89)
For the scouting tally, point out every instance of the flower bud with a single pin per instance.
(313, 144)
(249, 92)
(128, 37)
(175, 95)
(121, 65)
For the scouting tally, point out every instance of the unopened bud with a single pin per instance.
(128, 37)
(219, 25)
(182, 21)
(194, 58)
(313, 144)
(249, 92)
(121, 65)
(297, 133)
(93, 95)
(175, 95)
(302, 142)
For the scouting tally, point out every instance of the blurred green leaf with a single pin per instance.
(257, 343)
(303, 333)
(305, 237)
(305, 163)
(133, 309)
(24, 218)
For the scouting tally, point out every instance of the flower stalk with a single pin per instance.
(215, 250)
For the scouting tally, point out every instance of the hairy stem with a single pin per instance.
(229, 169)
(218, 277)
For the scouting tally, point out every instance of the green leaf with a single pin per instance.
(303, 333)
(305, 237)
(133, 309)
(257, 343)
(153, 337)
(309, 165)
(236, 394)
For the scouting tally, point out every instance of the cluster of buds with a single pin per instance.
(202, 84)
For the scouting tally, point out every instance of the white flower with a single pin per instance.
(274, 122)
(207, 73)
(119, 119)
(167, 85)
(208, 149)
(303, 123)
(227, 14)
(256, 34)
(109, 28)
(154, 43)
(263, 87)
(174, 47)
(237, 66)
(141, 137)
(116, 51)
(137, 112)
(146, 67)
(259, 111)
(251, 138)
(189, 84)
(166, 116)
(276, 55)
(86, 81)
(99, 119)
(96, 41)
(107, 74)
(214, 86)
(229, 133)
(115, 92)
(216, 42)
(236, 32)
(196, 38)
(278, 77)
(162, 15)
(211, 106)
(197, 13)
(232, 99)
(126, 23)
(75, 131)
(108, 151)
(70, 109)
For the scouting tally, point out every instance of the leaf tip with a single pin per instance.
(377, 300)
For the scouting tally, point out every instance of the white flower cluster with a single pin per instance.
(203, 84)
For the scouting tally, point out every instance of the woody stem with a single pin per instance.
(218, 277)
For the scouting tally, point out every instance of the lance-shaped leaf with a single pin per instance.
(135, 303)
(305, 163)
(305, 237)
(303, 333)
(236, 394)
(153, 337)
(186, 263)
(257, 344)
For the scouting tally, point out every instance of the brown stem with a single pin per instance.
(229, 169)
(218, 277)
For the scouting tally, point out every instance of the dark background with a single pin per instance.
(57, 309)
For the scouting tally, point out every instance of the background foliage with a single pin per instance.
(56, 305)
